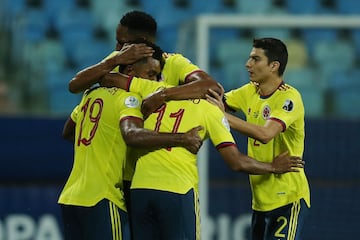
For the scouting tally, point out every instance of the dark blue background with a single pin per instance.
(35, 162)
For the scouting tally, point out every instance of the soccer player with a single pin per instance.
(164, 189)
(177, 70)
(274, 122)
(106, 121)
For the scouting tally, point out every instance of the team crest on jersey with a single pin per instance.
(225, 122)
(288, 105)
(132, 102)
(266, 112)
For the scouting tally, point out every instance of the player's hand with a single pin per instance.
(106, 80)
(216, 98)
(151, 103)
(285, 163)
(114, 79)
(192, 140)
(130, 53)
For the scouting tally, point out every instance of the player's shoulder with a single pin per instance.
(168, 57)
(246, 88)
(113, 97)
(288, 89)
(130, 99)
(208, 108)
(112, 92)
(290, 97)
(201, 105)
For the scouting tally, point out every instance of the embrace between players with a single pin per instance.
(140, 123)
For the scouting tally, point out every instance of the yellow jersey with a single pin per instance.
(176, 68)
(175, 169)
(99, 149)
(285, 105)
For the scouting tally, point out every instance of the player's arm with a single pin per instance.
(91, 75)
(69, 130)
(136, 136)
(197, 85)
(116, 79)
(240, 162)
(264, 134)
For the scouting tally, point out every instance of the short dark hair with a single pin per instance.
(138, 21)
(275, 50)
(158, 52)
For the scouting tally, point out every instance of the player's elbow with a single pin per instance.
(72, 86)
(131, 137)
(132, 143)
(236, 167)
(237, 163)
(263, 136)
(206, 79)
(69, 137)
(211, 83)
(68, 132)
(264, 139)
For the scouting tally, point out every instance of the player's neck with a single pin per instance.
(268, 87)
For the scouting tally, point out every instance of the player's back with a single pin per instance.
(175, 169)
(176, 69)
(99, 146)
(97, 129)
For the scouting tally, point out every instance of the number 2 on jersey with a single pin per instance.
(256, 143)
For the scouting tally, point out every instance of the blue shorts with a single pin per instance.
(279, 224)
(103, 221)
(157, 215)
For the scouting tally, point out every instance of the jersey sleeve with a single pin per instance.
(218, 128)
(177, 68)
(74, 113)
(145, 87)
(288, 108)
(130, 103)
(236, 99)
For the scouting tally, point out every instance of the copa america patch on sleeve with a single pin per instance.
(288, 105)
(225, 122)
(132, 102)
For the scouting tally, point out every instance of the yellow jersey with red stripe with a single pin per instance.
(285, 106)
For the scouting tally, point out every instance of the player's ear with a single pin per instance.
(275, 65)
